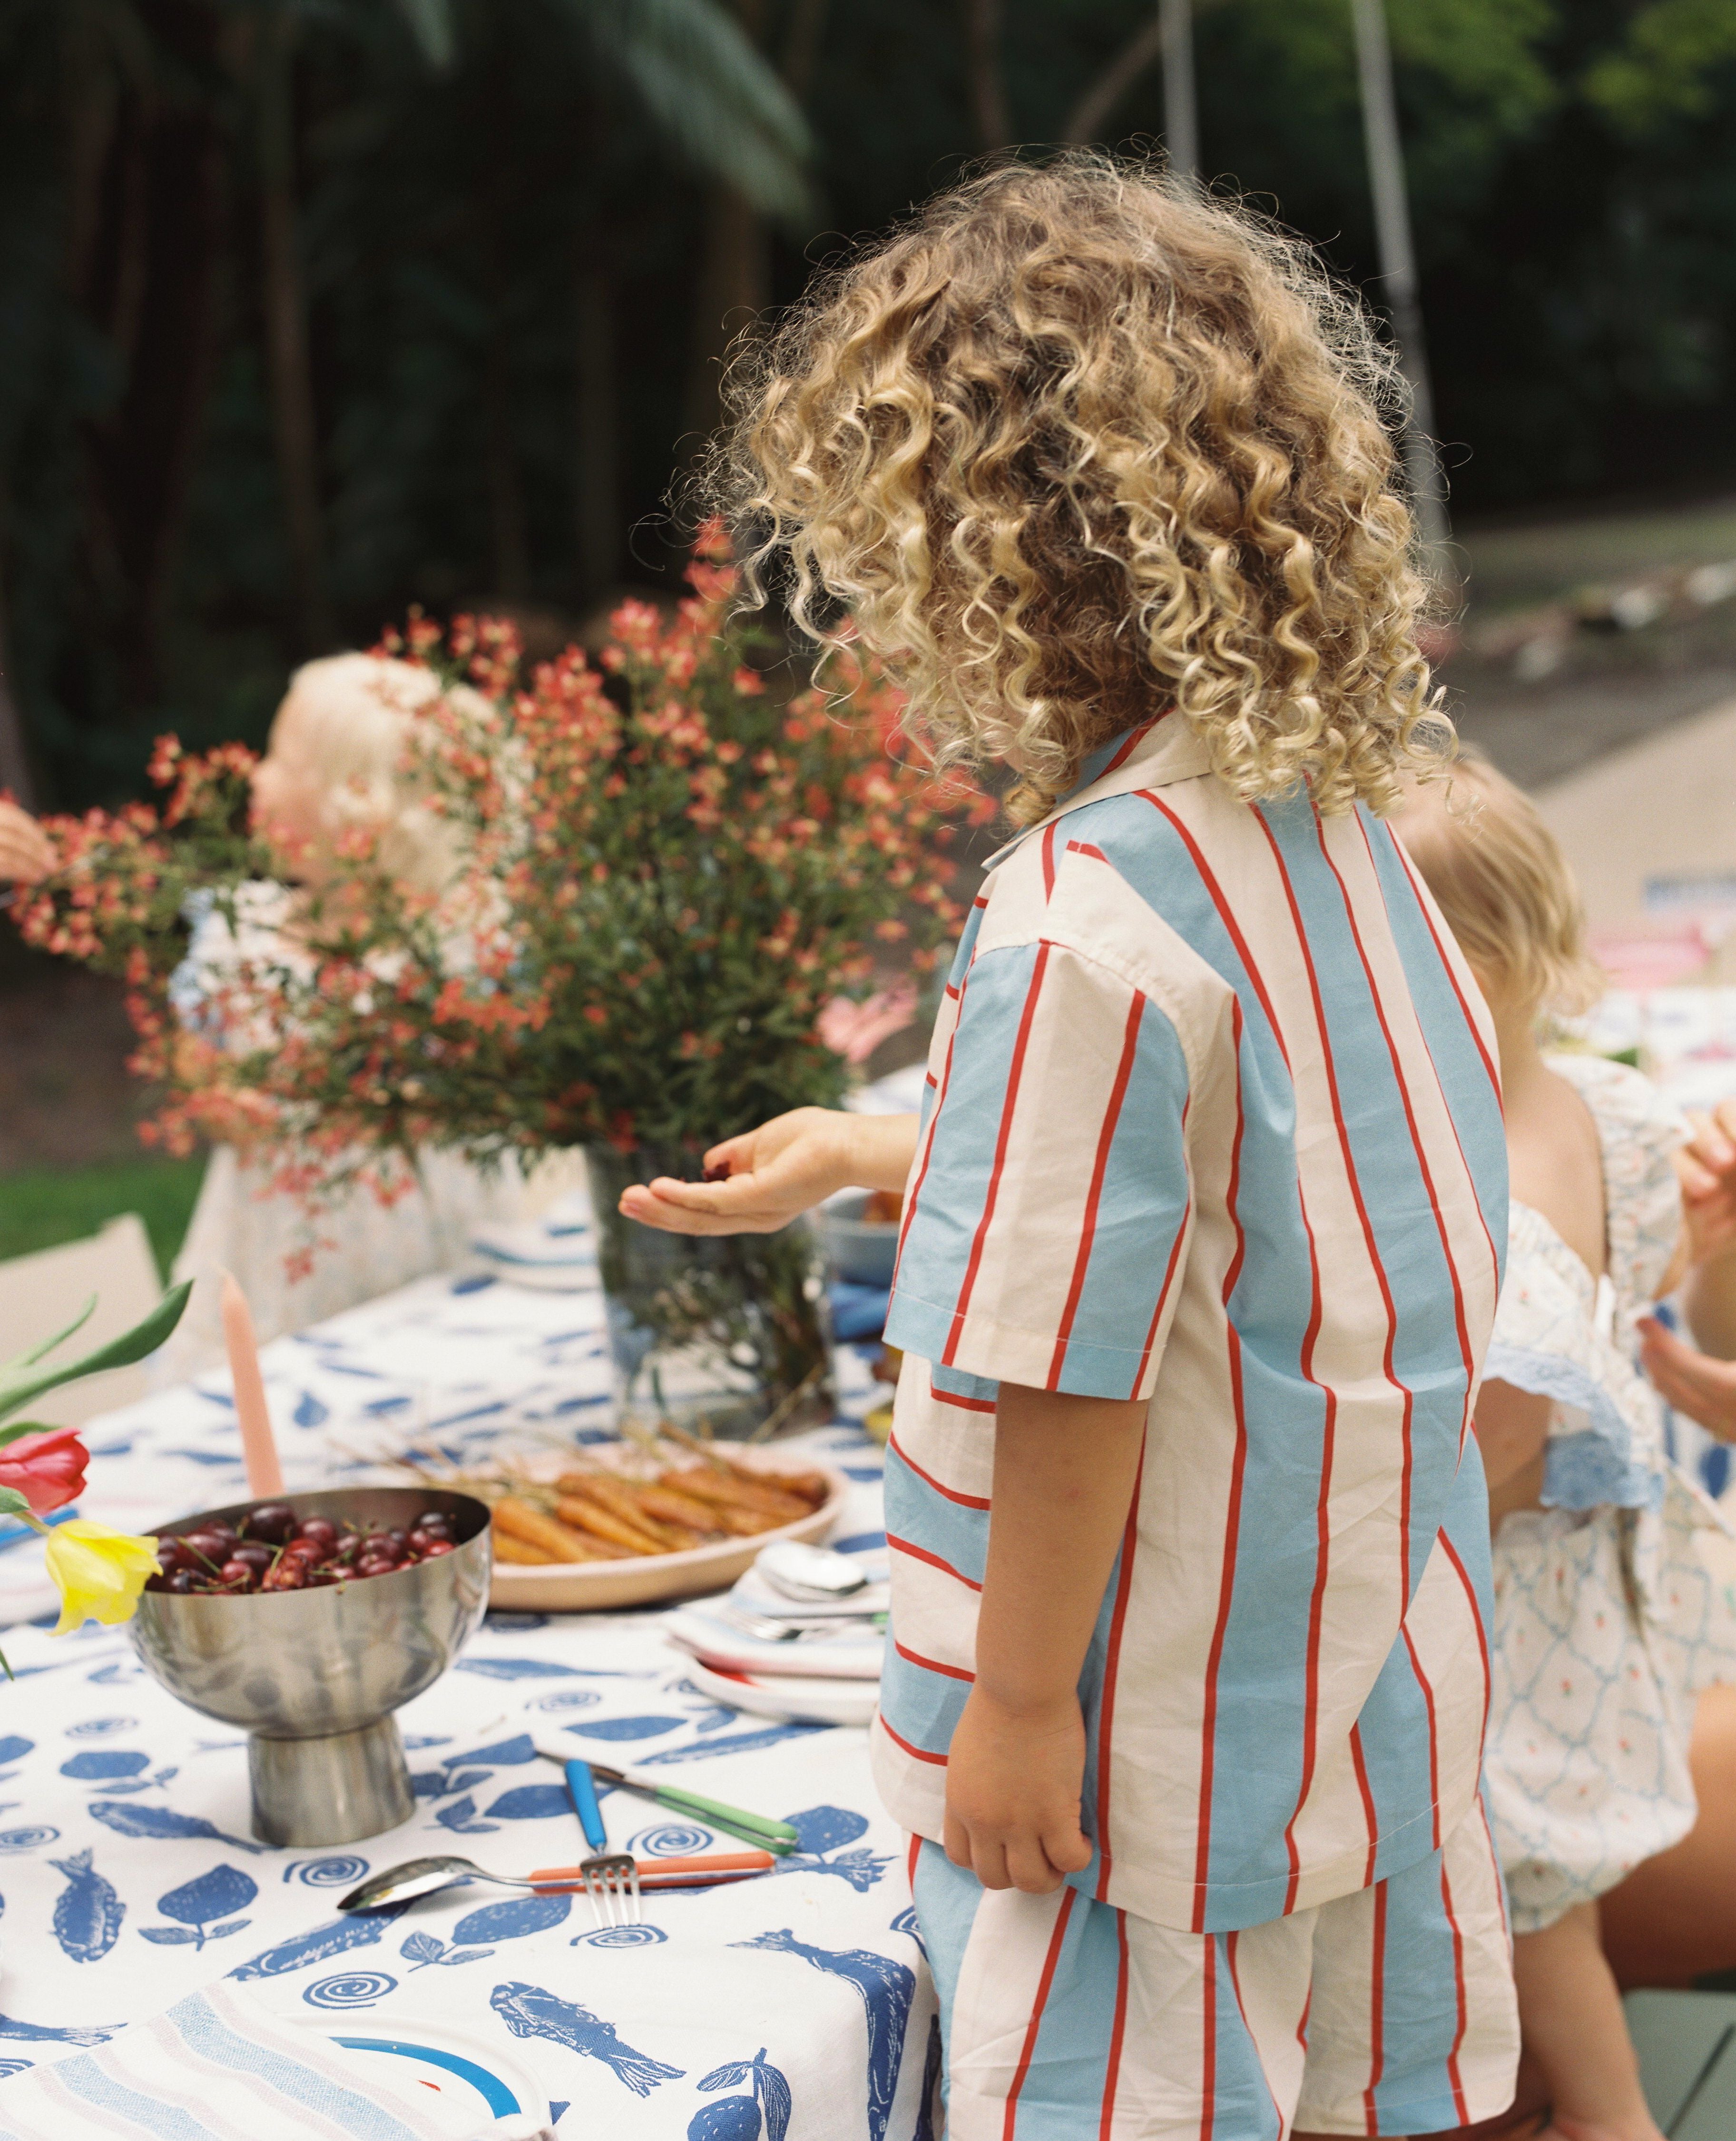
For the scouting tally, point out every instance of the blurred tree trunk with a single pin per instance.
(147, 236)
(985, 81)
(15, 770)
(284, 305)
(502, 215)
(734, 282)
(598, 484)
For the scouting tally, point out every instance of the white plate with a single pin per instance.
(804, 1701)
(455, 2083)
(582, 1587)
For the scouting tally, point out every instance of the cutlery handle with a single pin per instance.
(753, 1827)
(721, 1864)
(581, 1785)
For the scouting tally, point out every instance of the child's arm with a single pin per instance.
(1064, 1469)
(782, 1168)
(1512, 1426)
(1703, 1388)
(1707, 1165)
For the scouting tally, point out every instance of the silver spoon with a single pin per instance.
(427, 1877)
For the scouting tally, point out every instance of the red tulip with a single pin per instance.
(47, 1469)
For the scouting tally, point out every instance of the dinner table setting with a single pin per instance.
(620, 1880)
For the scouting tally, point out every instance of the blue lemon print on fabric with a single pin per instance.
(198, 1906)
(511, 1920)
(745, 2118)
(93, 1728)
(12, 1749)
(103, 1765)
(355, 1988)
(532, 1803)
(827, 1827)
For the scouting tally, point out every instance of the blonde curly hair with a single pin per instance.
(1077, 443)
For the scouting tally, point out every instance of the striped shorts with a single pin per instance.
(1388, 2011)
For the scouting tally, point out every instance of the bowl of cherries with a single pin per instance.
(307, 1620)
(270, 1548)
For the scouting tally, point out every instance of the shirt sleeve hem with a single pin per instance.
(1002, 1352)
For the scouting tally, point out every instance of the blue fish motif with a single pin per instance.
(528, 2012)
(309, 1412)
(504, 1753)
(626, 1728)
(160, 1822)
(320, 1945)
(461, 1818)
(41, 2032)
(887, 1989)
(516, 1669)
(87, 1917)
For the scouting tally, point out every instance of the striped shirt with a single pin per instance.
(1213, 1119)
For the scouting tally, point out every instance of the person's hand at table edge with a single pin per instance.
(779, 1171)
(1694, 1383)
(27, 854)
(1706, 1165)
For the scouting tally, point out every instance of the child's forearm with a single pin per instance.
(1710, 1303)
(1064, 1469)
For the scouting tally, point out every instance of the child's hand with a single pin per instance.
(1707, 1168)
(26, 852)
(1013, 1781)
(768, 1177)
(1694, 1383)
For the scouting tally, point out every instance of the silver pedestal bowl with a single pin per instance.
(314, 1676)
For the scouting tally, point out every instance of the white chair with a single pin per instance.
(40, 1293)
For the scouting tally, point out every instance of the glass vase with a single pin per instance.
(725, 1335)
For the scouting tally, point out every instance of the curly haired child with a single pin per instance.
(1184, 1698)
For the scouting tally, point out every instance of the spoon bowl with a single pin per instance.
(421, 1877)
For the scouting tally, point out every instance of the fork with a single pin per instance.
(611, 1877)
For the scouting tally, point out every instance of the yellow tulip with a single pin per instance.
(98, 1572)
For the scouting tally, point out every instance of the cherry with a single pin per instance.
(172, 1554)
(238, 1572)
(272, 1521)
(290, 1573)
(371, 1565)
(181, 1580)
(305, 1549)
(207, 1546)
(434, 1520)
(253, 1554)
(320, 1530)
(435, 1547)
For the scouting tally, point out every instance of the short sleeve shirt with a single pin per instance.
(1213, 1120)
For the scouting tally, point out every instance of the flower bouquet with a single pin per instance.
(666, 874)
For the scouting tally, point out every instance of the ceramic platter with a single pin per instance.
(590, 1585)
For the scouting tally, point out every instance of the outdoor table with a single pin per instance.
(133, 1888)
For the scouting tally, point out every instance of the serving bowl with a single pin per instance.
(314, 1676)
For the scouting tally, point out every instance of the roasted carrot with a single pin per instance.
(509, 1548)
(731, 1491)
(530, 1526)
(625, 1497)
(591, 1516)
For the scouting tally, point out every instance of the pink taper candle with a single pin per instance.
(264, 1474)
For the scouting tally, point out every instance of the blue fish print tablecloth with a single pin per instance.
(797, 2004)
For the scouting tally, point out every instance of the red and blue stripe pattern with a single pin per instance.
(1214, 1121)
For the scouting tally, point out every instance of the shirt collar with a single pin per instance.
(1160, 751)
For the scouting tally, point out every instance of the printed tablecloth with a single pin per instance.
(795, 2003)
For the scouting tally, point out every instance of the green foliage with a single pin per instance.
(40, 1207)
(1668, 67)
(23, 1380)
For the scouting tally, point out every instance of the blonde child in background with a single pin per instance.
(1610, 1609)
(335, 765)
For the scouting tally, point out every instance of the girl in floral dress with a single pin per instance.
(1611, 1608)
